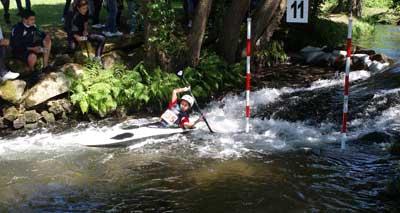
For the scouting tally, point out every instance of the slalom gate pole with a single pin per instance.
(347, 83)
(248, 74)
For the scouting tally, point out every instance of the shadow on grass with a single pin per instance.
(46, 15)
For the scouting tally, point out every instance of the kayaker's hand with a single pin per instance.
(187, 89)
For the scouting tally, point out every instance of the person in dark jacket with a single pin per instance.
(6, 8)
(27, 5)
(189, 7)
(28, 42)
(76, 26)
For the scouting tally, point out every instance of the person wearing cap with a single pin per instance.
(178, 110)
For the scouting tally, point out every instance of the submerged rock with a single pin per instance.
(31, 125)
(31, 116)
(48, 117)
(10, 113)
(12, 91)
(19, 122)
(51, 86)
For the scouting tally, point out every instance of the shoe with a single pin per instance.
(190, 24)
(62, 19)
(108, 34)
(132, 33)
(98, 26)
(9, 76)
(118, 33)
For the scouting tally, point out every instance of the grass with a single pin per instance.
(49, 12)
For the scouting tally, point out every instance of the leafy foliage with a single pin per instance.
(272, 53)
(101, 91)
(164, 36)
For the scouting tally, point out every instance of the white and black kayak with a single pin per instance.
(132, 134)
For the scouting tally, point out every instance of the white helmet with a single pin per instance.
(189, 99)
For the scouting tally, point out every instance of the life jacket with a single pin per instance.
(173, 116)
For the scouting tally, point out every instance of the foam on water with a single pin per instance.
(225, 116)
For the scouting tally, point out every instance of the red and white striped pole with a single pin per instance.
(347, 83)
(248, 75)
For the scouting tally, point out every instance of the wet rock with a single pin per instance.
(365, 51)
(19, 122)
(31, 116)
(2, 123)
(52, 85)
(377, 66)
(73, 69)
(31, 126)
(59, 106)
(12, 91)
(48, 117)
(111, 59)
(380, 58)
(375, 137)
(10, 113)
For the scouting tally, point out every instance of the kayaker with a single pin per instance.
(178, 110)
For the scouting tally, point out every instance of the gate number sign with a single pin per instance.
(297, 11)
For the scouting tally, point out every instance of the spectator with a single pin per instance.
(6, 7)
(189, 6)
(27, 41)
(20, 8)
(120, 8)
(111, 27)
(76, 26)
(5, 74)
(132, 12)
(96, 14)
(67, 8)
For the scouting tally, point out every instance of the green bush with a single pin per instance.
(101, 91)
(377, 3)
(326, 32)
(272, 53)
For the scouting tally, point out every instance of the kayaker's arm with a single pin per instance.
(192, 125)
(176, 92)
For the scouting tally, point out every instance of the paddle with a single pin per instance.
(180, 75)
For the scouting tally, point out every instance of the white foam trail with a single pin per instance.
(226, 118)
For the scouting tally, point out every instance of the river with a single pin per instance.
(291, 161)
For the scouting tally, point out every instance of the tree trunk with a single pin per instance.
(274, 22)
(196, 35)
(229, 35)
(267, 17)
(357, 8)
(340, 7)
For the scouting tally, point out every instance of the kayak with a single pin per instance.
(133, 134)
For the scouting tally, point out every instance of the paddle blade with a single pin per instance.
(180, 73)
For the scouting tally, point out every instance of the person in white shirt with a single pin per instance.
(5, 74)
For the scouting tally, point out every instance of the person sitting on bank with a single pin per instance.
(76, 26)
(5, 74)
(28, 42)
(178, 111)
